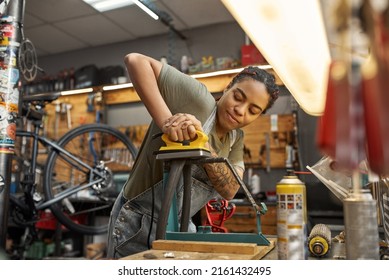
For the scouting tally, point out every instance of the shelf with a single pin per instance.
(215, 82)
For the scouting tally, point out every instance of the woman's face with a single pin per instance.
(240, 105)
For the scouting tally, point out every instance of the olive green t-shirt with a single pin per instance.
(182, 94)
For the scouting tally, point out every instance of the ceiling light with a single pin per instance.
(115, 87)
(77, 91)
(280, 30)
(226, 72)
(107, 5)
(196, 76)
(146, 9)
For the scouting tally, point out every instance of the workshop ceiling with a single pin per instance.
(60, 26)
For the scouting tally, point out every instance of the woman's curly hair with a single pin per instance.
(260, 75)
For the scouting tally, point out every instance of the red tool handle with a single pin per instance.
(218, 211)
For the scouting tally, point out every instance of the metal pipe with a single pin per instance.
(186, 204)
(5, 182)
(174, 177)
(11, 28)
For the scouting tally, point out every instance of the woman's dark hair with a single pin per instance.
(260, 75)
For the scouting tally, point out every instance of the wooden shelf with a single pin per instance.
(256, 133)
(215, 83)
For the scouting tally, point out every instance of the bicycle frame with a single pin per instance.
(70, 158)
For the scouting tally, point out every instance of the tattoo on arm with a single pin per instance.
(222, 179)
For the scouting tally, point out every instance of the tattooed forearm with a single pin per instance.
(222, 179)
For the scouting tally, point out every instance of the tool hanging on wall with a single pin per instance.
(268, 157)
(99, 106)
(57, 118)
(95, 100)
(68, 115)
(90, 102)
(247, 154)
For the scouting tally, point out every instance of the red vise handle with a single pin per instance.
(218, 211)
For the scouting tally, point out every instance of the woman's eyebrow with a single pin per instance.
(245, 97)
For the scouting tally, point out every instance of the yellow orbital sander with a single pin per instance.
(186, 149)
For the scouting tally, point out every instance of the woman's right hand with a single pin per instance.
(181, 126)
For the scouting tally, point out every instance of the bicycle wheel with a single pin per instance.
(80, 174)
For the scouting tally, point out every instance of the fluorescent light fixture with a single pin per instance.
(76, 91)
(115, 87)
(291, 35)
(196, 76)
(146, 9)
(225, 72)
(107, 5)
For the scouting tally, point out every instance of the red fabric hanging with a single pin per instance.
(375, 79)
(334, 128)
(326, 136)
(355, 122)
(376, 106)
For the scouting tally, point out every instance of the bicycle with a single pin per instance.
(78, 178)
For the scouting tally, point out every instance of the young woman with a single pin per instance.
(180, 105)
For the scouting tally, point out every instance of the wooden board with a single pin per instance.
(199, 250)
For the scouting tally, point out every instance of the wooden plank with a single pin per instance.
(217, 83)
(176, 254)
(121, 96)
(206, 247)
(183, 255)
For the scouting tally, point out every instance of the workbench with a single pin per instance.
(195, 250)
(200, 250)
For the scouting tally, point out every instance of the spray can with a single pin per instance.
(291, 218)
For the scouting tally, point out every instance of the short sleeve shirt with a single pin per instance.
(182, 94)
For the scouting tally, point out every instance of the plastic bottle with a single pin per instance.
(255, 184)
(184, 64)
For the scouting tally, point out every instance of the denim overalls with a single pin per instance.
(130, 227)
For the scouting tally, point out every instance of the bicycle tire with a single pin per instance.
(111, 147)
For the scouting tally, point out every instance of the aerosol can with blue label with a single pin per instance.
(291, 218)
